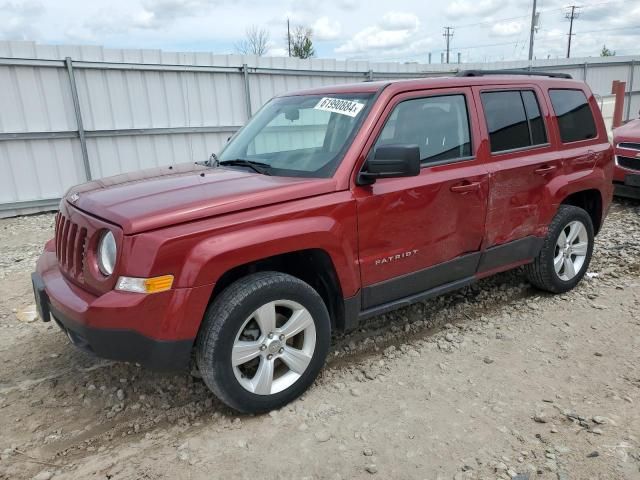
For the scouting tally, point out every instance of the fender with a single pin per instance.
(213, 256)
(598, 179)
(199, 253)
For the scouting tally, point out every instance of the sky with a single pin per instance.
(377, 30)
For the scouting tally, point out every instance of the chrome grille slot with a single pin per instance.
(629, 145)
(79, 251)
(64, 243)
(71, 246)
(71, 242)
(58, 234)
(630, 163)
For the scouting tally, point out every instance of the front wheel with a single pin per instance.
(263, 341)
(566, 252)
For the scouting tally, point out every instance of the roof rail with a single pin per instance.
(482, 73)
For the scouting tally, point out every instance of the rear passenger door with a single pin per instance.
(521, 162)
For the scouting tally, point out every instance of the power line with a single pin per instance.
(489, 22)
(542, 10)
(571, 14)
(610, 29)
(448, 33)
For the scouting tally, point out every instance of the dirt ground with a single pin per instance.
(495, 381)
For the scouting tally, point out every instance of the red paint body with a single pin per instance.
(629, 136)
(197, 223)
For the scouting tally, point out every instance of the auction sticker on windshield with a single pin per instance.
(339, 105)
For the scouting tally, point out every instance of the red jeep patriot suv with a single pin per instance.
(331, 205)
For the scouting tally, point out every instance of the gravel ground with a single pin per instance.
(495, 381)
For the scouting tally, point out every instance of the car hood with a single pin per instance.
(164, 196)
(629, 132)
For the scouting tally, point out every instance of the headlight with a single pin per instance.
(107, 253)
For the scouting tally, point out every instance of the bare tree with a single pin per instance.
(255, 42)
(300, 42)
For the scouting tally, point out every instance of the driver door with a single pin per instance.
(420, 233)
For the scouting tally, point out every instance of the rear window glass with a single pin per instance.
(513, 119)
(575, 119)
(536, 124)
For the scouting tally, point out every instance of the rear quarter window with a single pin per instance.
(575, 118)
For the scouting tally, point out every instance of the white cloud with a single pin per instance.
(278, 52)
(395, 32)
(325, 29)
(407, 31)
(399, 21)
(469, 8)
(157, 13)
(347, 4)
(17, 20)
(505, 29)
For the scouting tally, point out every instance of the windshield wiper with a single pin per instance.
(258, 167)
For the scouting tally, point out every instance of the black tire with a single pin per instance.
(541, 273)
(227, 314)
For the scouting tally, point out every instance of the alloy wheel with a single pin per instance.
(274, 347)
(571, 250)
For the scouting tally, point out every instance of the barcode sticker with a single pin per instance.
(339, 105)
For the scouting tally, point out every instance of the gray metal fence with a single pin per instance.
(68, 114)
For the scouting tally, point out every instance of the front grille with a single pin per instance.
(628, 162)
(71, 245)
(629, 145)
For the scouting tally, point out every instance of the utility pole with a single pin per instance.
(571, 15)
(534, 25)
(448, 33)
(289, 37)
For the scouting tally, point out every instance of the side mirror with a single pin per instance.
(391, 161)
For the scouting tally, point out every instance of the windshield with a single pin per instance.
(304, 135)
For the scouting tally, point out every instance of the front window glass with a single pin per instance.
(439, 125)
(304, 135)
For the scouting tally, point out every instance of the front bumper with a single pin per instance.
(628, 187)
(157, 330)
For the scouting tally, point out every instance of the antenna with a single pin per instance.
(448, 33)
(571, 14)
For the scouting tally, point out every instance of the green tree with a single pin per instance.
(301, 43)
(605, 52)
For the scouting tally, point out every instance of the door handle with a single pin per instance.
(465, 187)
(545, 169)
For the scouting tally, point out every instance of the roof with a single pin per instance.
(440, 82)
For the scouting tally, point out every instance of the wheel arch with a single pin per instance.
(313, 266)
(589, 200)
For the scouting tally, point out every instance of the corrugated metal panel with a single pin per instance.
(133, 89)
(114, 155)
(38, 169)
(35, 100)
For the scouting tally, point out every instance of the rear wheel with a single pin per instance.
(263, 341)
(566, 252)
